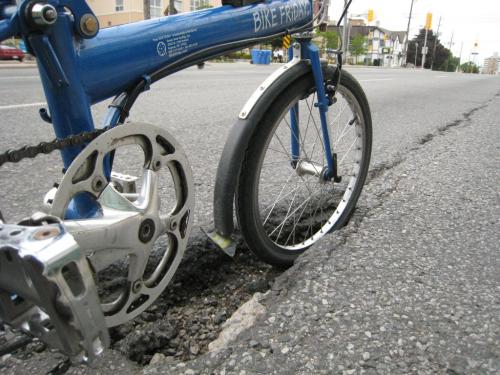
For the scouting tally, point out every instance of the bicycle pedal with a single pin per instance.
(124, 183)
(47, 290)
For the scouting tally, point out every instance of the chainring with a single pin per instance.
(132, 234)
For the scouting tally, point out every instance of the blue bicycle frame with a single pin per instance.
(79, 70)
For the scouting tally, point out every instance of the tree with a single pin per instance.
(277, 43)
(469, 67)
(330, 39)
(171, 7)
(146, 5)
(203, 6)
(442, 57)
(358, 46)
(452, 63)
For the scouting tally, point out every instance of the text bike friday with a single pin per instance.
(180, 42)
(97, 218)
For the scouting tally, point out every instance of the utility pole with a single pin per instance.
(435, 43)
(416, 53)
(451, 42)
(460, 57)
(474, 53)
(408, 33)
(345, 33)
(428, 25)
(424, 50)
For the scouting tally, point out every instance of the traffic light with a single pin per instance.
(370, 15)
(428, 21)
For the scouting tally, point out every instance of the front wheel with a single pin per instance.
(284, 204)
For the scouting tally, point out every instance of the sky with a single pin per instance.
(468, 21)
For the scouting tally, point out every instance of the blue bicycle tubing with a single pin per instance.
(117, 58)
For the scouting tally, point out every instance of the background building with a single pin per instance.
(382, 47)
(492, 64)
(118, 12)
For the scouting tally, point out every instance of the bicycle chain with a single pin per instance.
(25, 152)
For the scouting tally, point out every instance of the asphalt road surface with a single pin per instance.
(200, 106)
(410, 286)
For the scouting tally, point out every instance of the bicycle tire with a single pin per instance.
(256, 224)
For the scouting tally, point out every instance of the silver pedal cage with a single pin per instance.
(47, 288)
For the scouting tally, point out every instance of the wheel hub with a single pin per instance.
(311, 168)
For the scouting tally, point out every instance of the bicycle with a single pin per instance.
(281, 172)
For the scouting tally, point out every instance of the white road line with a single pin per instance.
(19, 77)
(441, 76)
(22, 105)
(376, 79)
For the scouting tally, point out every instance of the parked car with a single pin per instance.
(11, 53)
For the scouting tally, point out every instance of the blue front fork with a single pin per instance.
(310, 52)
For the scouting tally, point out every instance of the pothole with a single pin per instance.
(206, 290)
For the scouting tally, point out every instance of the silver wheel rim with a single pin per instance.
(296, 211)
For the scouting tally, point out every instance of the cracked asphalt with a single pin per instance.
(411, 285)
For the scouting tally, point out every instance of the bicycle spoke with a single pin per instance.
(301, 138)
(280, 152)
(288, 215)
(291, 203)
(277, 200)
(273, 205)
(283, 146)
(352, 144)
(343, 134)
(299, 206)
(295, 224)
(318, 134)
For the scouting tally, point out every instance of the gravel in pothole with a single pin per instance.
(205, 291)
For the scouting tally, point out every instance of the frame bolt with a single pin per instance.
(146, 230)
(98, 184)
(89, 25)
(43, 14)
(156, 165)
(173, 225)
(136, 286)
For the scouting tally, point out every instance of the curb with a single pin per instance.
(10, 65)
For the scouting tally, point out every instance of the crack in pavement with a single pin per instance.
(412, 274)
(373, 198)
(379, 169)
(376, 198)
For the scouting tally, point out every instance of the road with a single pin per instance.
(431, 205)
(199, 107)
